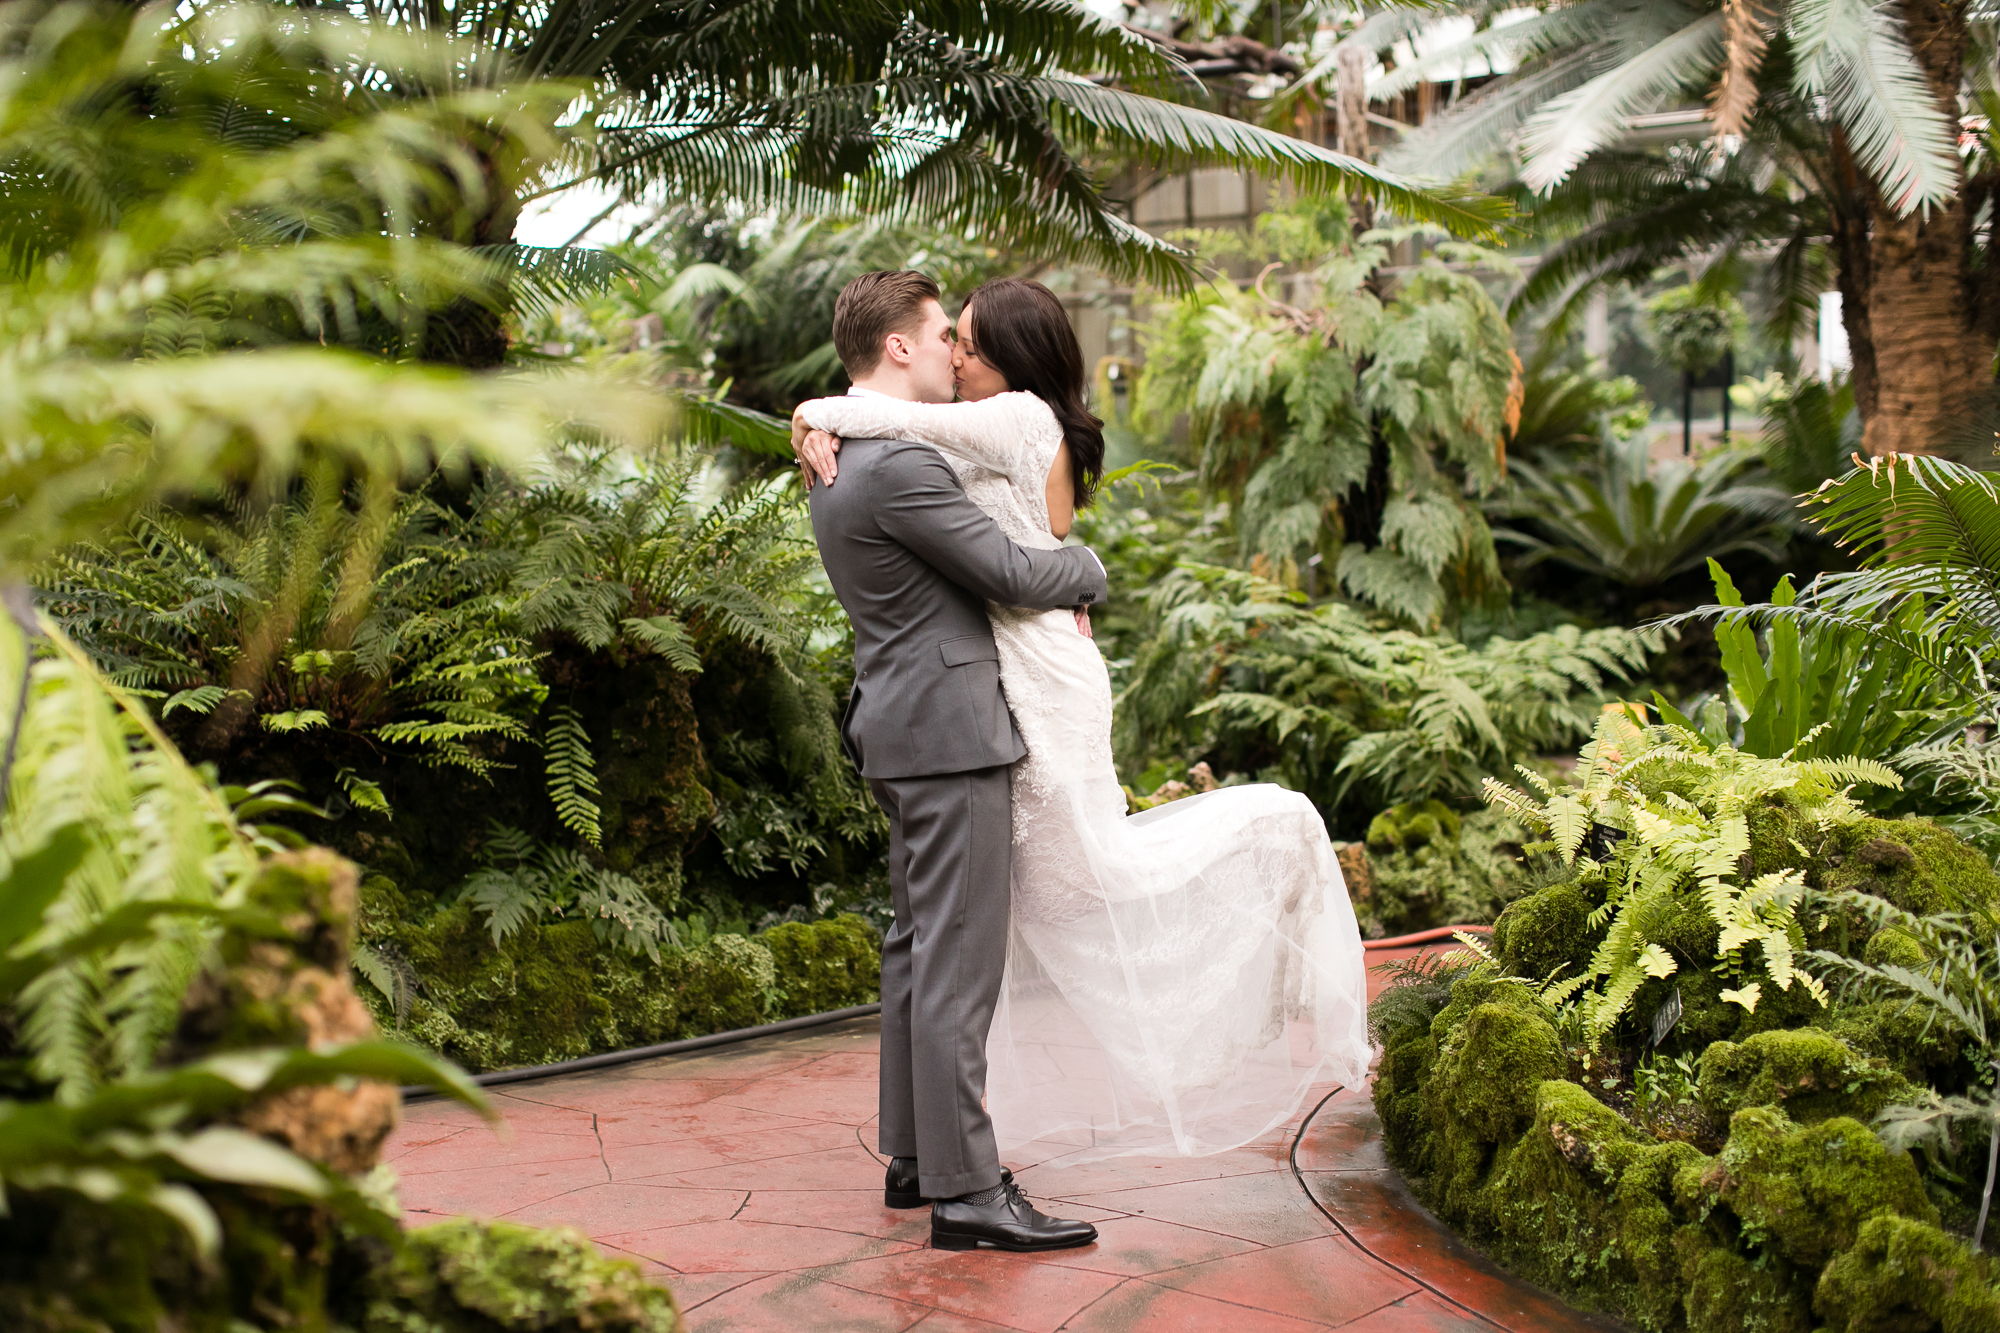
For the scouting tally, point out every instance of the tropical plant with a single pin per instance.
(422, 632)
(1810, 433)
(522, 882)
(1952, 969)
(1241, 671)
(1678, 800)
(120, 868)
(982, 120)
(1624, 517)
(127, 220)
(1354, 431)
(1834, 135)
(1814, 694)
(728, 302)
(1570, 406)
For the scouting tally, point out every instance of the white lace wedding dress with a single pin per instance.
(1176, 979)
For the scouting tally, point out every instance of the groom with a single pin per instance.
(915, 562)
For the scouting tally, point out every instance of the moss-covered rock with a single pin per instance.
(1429, 866)
(1904, 1274)
(1909, 1038)
(1728, 1292)
(1806, 1190)
(469, 1276)
(1547, 930)
(824, 966)
(1811, 1074)
(1409, 827)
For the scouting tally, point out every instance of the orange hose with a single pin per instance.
(1424, 937)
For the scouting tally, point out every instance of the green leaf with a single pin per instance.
(35, 881)
(221, 1152)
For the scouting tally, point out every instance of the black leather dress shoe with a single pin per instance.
(899, 1187)
(1010, 1222)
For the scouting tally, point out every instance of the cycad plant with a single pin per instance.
(1853, 137)
(1638, 522)
(1349, 431)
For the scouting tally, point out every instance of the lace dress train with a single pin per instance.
(1178, 979)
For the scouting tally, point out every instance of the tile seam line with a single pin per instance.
(1355, 1240)
(1123, 1283)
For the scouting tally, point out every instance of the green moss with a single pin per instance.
(1911, 862)
(825, 966)
(1547, 930)
(1902, 1273)
(468, 1276)
(1909, 1038)
(1417, 824)
(1806, 1191)
(1812, 1074)
(552, 992)
(1730, 1293)
(1893, 947)
(1431, 867)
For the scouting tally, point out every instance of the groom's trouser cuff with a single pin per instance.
(950, 863)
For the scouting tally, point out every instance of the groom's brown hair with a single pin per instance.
(874, 306)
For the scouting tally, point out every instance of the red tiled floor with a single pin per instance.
(1141, 1305)
(1325, 1279)
(744, 1178)
(789, 1301)
(1014, 1290)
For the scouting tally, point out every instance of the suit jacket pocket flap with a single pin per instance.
(971, 648)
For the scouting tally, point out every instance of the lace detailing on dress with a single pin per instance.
(1178, 980)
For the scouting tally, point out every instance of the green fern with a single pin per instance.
(1354, 711)
(1680, 799)
(1301, 417)
(571, 772)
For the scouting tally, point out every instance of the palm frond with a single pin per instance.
(1570, 127)
(1853, 53)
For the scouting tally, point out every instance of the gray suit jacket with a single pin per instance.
(915, 562)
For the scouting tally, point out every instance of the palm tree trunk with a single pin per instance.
(470, 333)
(1933, 365)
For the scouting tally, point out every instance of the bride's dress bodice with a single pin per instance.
(1177, 979)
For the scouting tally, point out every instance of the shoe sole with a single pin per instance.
(948, 1241)
(895, 1199)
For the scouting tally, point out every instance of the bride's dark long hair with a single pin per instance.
(1024, 333)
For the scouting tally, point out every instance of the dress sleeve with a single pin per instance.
(996, 432)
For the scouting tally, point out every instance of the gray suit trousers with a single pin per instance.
(951, 849)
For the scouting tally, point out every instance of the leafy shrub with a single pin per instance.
(1679, 805)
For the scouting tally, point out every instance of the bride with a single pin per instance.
(1177, 979)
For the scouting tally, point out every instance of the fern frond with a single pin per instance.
(571, 772)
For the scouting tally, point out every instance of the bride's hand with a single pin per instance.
(1083, 622)
(816, 451)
